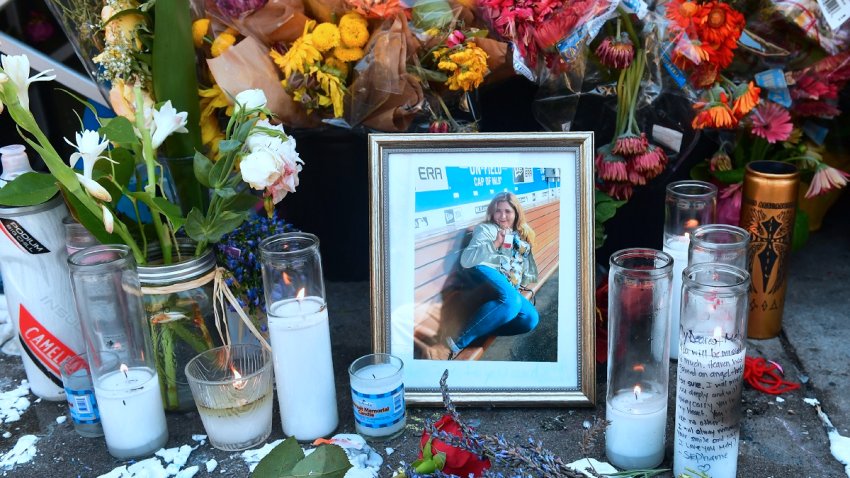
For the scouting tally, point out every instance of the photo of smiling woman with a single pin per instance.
(500, 256)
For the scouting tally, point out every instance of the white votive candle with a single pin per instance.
(131, 412)
(377, 393)
(240, 426)
(677, 247)
(635, 437)
(303, 367)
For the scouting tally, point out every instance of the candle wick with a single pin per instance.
(125, 374)
(636, 395)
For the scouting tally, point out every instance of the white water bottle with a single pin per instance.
(37, 283)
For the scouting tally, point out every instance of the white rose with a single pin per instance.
(260, 138)
(261, 168)
(251, 100)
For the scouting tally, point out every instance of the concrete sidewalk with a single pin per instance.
(779, 438)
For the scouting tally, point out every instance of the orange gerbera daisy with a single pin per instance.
(718, 23)
(747, 97)
(714, 114)
(682, 13)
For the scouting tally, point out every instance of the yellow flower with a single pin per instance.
(212, 100)
(325, 37)
(348, 54)
(121, 29)
(467, 65)
(338, 65)
(200, 27)
(334, 91)
(353, 30)
(301, 55)
(223, 41)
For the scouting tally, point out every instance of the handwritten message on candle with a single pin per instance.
(708, 402)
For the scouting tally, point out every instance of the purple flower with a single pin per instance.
(239, 8)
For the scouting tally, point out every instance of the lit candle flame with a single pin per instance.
(300, 295)
(124, 369)
(237, 383)
(637, 391)
(286, 279)
(691, 224)
(718, 332)
(639, 368)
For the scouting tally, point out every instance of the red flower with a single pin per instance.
(458, 462)
(616, 52)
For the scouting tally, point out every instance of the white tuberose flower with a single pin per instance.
(108, 219)
(167, 120)
(89, 148)
(17, 67)
(250, 100)
(261, 168)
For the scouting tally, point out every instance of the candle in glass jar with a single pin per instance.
(377, 393)
(231, 428)
(677, 247)
(635, 436)
(301, 350)
(708, 404)
(131, 411)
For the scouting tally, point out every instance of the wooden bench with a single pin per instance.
(437, 260)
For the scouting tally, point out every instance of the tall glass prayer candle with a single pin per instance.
(719, 243)
(638, 357)
(688, 204)
(126, 385)
(300, 335)
(710, 369)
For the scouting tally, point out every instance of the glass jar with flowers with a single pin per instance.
(253, 154)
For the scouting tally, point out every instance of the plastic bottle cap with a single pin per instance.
(15, 161)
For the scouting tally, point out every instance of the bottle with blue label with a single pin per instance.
(79, 390)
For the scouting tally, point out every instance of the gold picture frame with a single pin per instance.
(431, 195)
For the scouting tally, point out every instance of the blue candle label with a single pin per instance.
(82, 405)
(378, 410)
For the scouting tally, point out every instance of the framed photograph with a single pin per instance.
(482, 264)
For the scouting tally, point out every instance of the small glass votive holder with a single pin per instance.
(79, 391)
(719, 243)
(377, 391)
(232, 387)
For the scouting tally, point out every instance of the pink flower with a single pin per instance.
(826, 178)
(285, 183)
(821, 109)
(616, 52)
(610, 167)
(629, 144)
(771, 122)
(455, 38)
(729, 204)
(617, 190)
(652, 162)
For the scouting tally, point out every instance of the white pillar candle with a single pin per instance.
(377, 392)
(708, 405)
(131, 412)
(635, 437)
(677, 247)
(303, 367)
(239, 426)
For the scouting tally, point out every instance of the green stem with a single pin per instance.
(168, 364)
(630, 29)
(183, 333)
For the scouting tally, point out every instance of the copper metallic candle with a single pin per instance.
(767, 213)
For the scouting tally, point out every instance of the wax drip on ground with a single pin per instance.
(839, 445)
(766, 376)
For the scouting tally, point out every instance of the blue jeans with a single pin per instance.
(507, 313)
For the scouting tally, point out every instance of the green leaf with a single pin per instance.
(428, 75)
(228, 145)
(801, 230)
(218, 173)
(171, 211)
(200, 228)
(327, 461)
(240, 202)
(432, 14)
(730, 177)
(124, 167)
(440, 460)
(202, 166)
(280, 460)
(90, 221)
(29, 189)
(225, 193)
(174, 76)
(700, 171)
(194, 226)
(118, 130)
